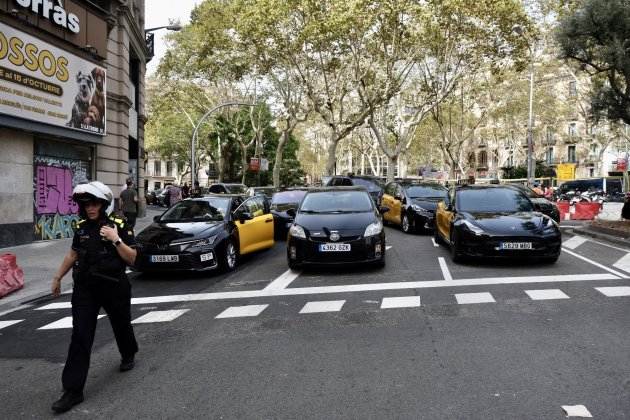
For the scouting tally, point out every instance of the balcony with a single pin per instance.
(572, 139)
(549, 141)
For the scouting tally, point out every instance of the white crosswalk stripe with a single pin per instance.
(322, 306)
(160, 316)
(546, 294)
(623, 263)
(400, 302)
(242, 311)
(65, 322)
(468, 298)
(8, 323)
(614, 291)
(574, 242)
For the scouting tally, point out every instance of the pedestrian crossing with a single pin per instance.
(334, 306)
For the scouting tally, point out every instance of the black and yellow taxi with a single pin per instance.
(205, 233)
(412, 204)
(495, 221)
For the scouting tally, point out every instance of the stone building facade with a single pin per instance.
(71, 109)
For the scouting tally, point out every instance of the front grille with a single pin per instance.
(343, 239)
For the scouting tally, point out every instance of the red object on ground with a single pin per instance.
(586, 211)
(564, 208)
(11, 276)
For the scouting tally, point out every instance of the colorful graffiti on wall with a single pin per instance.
(55, 211)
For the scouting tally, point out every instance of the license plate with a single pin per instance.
(516, 245)
(334, 247)
(164, 258)
(206, 257)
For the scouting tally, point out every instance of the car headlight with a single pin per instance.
(549, 225)
(473, 228)
(297, 231)
(374, 229)
(419, 209)
(199, 243)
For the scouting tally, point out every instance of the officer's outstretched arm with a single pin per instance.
(66, 265)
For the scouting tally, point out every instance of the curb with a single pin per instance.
(588, 231)
(29, 299)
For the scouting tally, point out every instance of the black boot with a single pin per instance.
(127, 363)
(68, 400)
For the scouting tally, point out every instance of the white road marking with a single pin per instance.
(388, 247)
(8, 323)
(17, 308)
(614, 291)
(445, 272)
(623, 263)
(322, 306)
(576, 411)
(160, 316)
(596, 264)
(546, 294)
(367, 287)
(435, 244)
(65, 322)
(401, 302)
(56, 305)
(574, 242)
(468, 298)
(283, 281)
(242, 311)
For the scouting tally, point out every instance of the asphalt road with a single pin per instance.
(266, 343)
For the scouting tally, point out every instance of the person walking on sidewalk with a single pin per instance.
(129, 203)
(102, 247)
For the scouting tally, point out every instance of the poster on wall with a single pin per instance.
(43, 83)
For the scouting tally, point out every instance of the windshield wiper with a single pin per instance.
(310, 211)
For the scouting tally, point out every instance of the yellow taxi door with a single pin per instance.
(257, 232)
(443, 218)
(397, 205)
(388, 201)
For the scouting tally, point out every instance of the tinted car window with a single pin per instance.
(390, 189)
(254, 206)
(426, 191)
(492, 200)
(337, 202)
(287, 197)
(237, 189)
(367, 183)
(197, 211)
(217, 189)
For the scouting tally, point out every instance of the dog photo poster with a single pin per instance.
(43, 83)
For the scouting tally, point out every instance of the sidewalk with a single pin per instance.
(40, 260)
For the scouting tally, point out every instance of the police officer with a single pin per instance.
(102, 248)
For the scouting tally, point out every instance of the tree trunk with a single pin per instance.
(284, 138)
(243, 163)
(391, 167)
(331, 161)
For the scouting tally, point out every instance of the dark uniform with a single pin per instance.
(99, 282)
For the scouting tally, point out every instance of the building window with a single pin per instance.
(483, 158)
(157, 185)
(594, 151)
(571, 154)
(572, 88)
(549, 155)
(169, 168)
(157, 168)
(572, 129)
(495, 158)
(549, 134)
(591, 172)
(510, 159)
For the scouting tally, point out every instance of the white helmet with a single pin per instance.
(94, 190)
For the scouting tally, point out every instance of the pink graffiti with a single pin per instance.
(54, 191)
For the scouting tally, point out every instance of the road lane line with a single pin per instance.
(17, 308)
(284, 280)
(470, 298)
(401, 302)
(574, 242)
(596, 264)
(623, 263)
(577, 411)
(388, 247)
(322, 306)
(65, 322)
(160, 316)
(242, 311)
(445, 272)
(366, 287)
(8, 323)
(435, 244)
(614, 291)
(546, 294)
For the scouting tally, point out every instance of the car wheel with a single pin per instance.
(406, 226)
(456, 256)
(436, 235)
(292, 264)
(229, 259)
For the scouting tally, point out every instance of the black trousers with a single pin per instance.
(87, 300)
(131, 218)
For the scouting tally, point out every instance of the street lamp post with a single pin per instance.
(193, 140)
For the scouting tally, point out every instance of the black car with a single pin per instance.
(372, 184)
(204, 234)
(152, 196)
(540, 203)
(495, 221)
(336, 225)
(281, 203)
(412, 204)
(223, 188)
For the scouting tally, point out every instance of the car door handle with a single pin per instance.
(268, 220)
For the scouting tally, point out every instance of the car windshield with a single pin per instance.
(213, 209)
(237, 188)
(337, 202)
(369, 184)
(288, 197)
(492, 200)
(427, 191)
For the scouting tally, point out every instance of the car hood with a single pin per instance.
(165, 233)
(344, 223)
(507, 223)
(427, 203)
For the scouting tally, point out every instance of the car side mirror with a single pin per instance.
(398, 197)
(244, 216)
(383, 209)
(156, 218)
(449, 207)
(291, 212)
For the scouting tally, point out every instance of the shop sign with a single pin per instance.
(565, 171)
(43, 83)
(264, 164)
(622, 164)
(254, 164)
(54, 12)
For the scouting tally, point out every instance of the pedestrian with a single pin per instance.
(167, 195)
(185, 190)
(196, 190)
(625, 210)
(175, 194)
(102, 247)
(536, 189)
(129, 203)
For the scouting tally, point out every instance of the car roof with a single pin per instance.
(345, 188)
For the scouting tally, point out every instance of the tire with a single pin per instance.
(456, 256)
(405, 225)
(229, 257)
(436, 235)
(292, 264)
